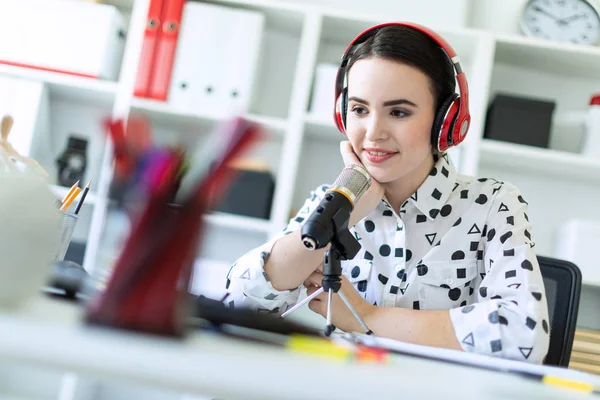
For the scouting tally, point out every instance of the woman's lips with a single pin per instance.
(378, 156)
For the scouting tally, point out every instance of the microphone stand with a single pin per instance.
(343, 246)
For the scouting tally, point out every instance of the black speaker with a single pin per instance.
(250, 194)
(520, 119)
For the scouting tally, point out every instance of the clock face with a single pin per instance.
(573, 21)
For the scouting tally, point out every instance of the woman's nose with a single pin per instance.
(376, 129)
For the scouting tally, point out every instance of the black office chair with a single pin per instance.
(562, 280)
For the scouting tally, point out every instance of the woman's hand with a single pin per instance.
(342, 317)
(371, 198)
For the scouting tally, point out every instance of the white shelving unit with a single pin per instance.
(554, 163)
(302, 149)
(69, 87)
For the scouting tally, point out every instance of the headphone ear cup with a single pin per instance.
(341, 111)
(443, 122)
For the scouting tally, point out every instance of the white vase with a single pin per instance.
(29, 229)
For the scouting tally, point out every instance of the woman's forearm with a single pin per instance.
(424, 327)
(290, 263)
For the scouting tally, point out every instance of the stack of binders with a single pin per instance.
(200, 58)
(158, 49)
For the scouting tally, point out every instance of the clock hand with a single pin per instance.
(541, 10)
(571, 18)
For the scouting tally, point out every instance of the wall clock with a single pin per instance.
(571, 21)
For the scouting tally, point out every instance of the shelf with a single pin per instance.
(9, 396)
(71, 87)
(320, 127)
(122, 4)
(279, 15)
(341, 27)
(282, 15)
(239, 222)
(61, 191)
(559, 58)
(164, 113)
(552, 163)
(593, 283)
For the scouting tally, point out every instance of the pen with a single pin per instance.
(69, 193)
(562, 382)
(59, 203)
(82, 198)
(573, 384)
(70, 199)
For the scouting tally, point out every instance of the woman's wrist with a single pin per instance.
(366, 312)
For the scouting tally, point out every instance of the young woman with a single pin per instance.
(445, 260)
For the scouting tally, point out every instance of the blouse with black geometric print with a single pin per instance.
(458, 243)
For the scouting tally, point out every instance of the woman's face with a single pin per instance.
(390, 114)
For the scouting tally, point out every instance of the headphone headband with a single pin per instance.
(457, 130)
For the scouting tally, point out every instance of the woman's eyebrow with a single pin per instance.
(358, 100)
(385, 103)
(398, 102)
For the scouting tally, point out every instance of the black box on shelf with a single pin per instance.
(249, 194)
(519, 119)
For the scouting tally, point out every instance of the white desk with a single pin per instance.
(49, 334)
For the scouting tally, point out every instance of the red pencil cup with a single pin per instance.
(147, 290)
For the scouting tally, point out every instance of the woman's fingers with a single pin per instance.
(313, 280)
(348, 154)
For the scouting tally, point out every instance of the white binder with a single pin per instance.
(198, 58)
(60, 35)
(207, 70)
(323, 94)
(244, 30)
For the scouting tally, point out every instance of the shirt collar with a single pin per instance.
(433, 193)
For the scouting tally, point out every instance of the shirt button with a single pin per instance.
(449, 281)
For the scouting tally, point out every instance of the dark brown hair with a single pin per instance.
(415, 48)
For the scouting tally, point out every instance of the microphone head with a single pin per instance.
(334, 209)
(353, 182)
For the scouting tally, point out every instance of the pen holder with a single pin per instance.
(147, 290)
(68, 221)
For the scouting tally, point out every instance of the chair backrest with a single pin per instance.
(562, 280)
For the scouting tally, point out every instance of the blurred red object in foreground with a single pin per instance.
(148, 289)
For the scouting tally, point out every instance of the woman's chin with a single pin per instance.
(381, 175)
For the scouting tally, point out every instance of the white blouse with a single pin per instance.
(458, 243)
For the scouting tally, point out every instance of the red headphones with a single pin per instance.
(452, 120)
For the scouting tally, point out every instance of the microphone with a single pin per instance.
(333, 212)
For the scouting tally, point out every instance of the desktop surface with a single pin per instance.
(50, 333)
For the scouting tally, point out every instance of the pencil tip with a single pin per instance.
(88, 185)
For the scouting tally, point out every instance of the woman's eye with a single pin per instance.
(400, 113)
(359, 110)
